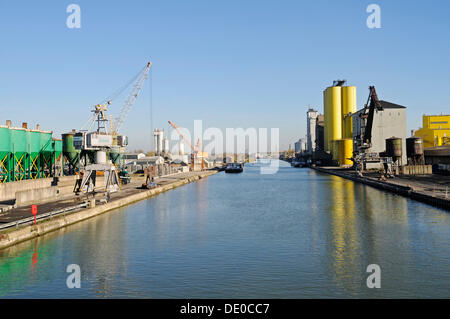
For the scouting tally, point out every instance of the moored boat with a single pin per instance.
(234, 168)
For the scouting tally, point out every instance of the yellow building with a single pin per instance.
(435, 130)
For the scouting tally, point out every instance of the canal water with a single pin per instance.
(294, 234)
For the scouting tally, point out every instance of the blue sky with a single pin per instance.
(230, 63)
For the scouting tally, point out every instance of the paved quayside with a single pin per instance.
(430, 189)
(130, 193)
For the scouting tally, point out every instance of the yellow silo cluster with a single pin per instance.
(339, 102)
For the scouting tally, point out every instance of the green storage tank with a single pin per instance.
(6, 162)
(20, 147)
(35, 154)
(26, 154)
(116, 156)
(58, 148)
(71, 155)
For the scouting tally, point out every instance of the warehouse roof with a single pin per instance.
(389, 105)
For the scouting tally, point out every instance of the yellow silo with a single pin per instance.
(334, 113)
(334, 149)
(345, 147)
(348, 107)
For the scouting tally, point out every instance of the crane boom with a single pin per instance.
(129, 102)
(182, 136)
(369, 110)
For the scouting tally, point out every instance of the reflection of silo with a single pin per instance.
(158, 138)
(181, 152)
(166, 145)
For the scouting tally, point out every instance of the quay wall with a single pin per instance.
(391, 187)
(27, 192)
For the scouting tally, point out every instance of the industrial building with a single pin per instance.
(320, 130)
(435, 130)
(390, 122)
(311, 119)
(300, 146)
(183, 158)
(133, 156)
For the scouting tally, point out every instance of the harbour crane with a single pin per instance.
(100, 109)
(196, 151)
(129, 102)
(101, 141)
(363, 141)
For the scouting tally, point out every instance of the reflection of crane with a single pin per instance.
(196, 151)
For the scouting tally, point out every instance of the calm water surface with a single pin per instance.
(295, 234)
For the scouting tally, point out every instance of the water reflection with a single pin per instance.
(34, 259)
(294, 234)
(345, 243)
(104, 261)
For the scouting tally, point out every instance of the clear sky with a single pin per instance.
(230, 63)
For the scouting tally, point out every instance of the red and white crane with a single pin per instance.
(196, 151)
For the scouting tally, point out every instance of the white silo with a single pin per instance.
(158, 138)
(181, 151)
(166, 145)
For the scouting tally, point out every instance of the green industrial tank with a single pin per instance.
(26, 153)
(116, 155)
(47, 153)
(71, 155)
(20, 143)
(58, 148)
(6, 162)
(35, 154)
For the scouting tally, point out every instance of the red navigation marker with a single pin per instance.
(34, 212)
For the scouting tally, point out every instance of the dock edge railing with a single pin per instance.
(44, 216)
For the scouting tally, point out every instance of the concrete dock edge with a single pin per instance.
(393, 188)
